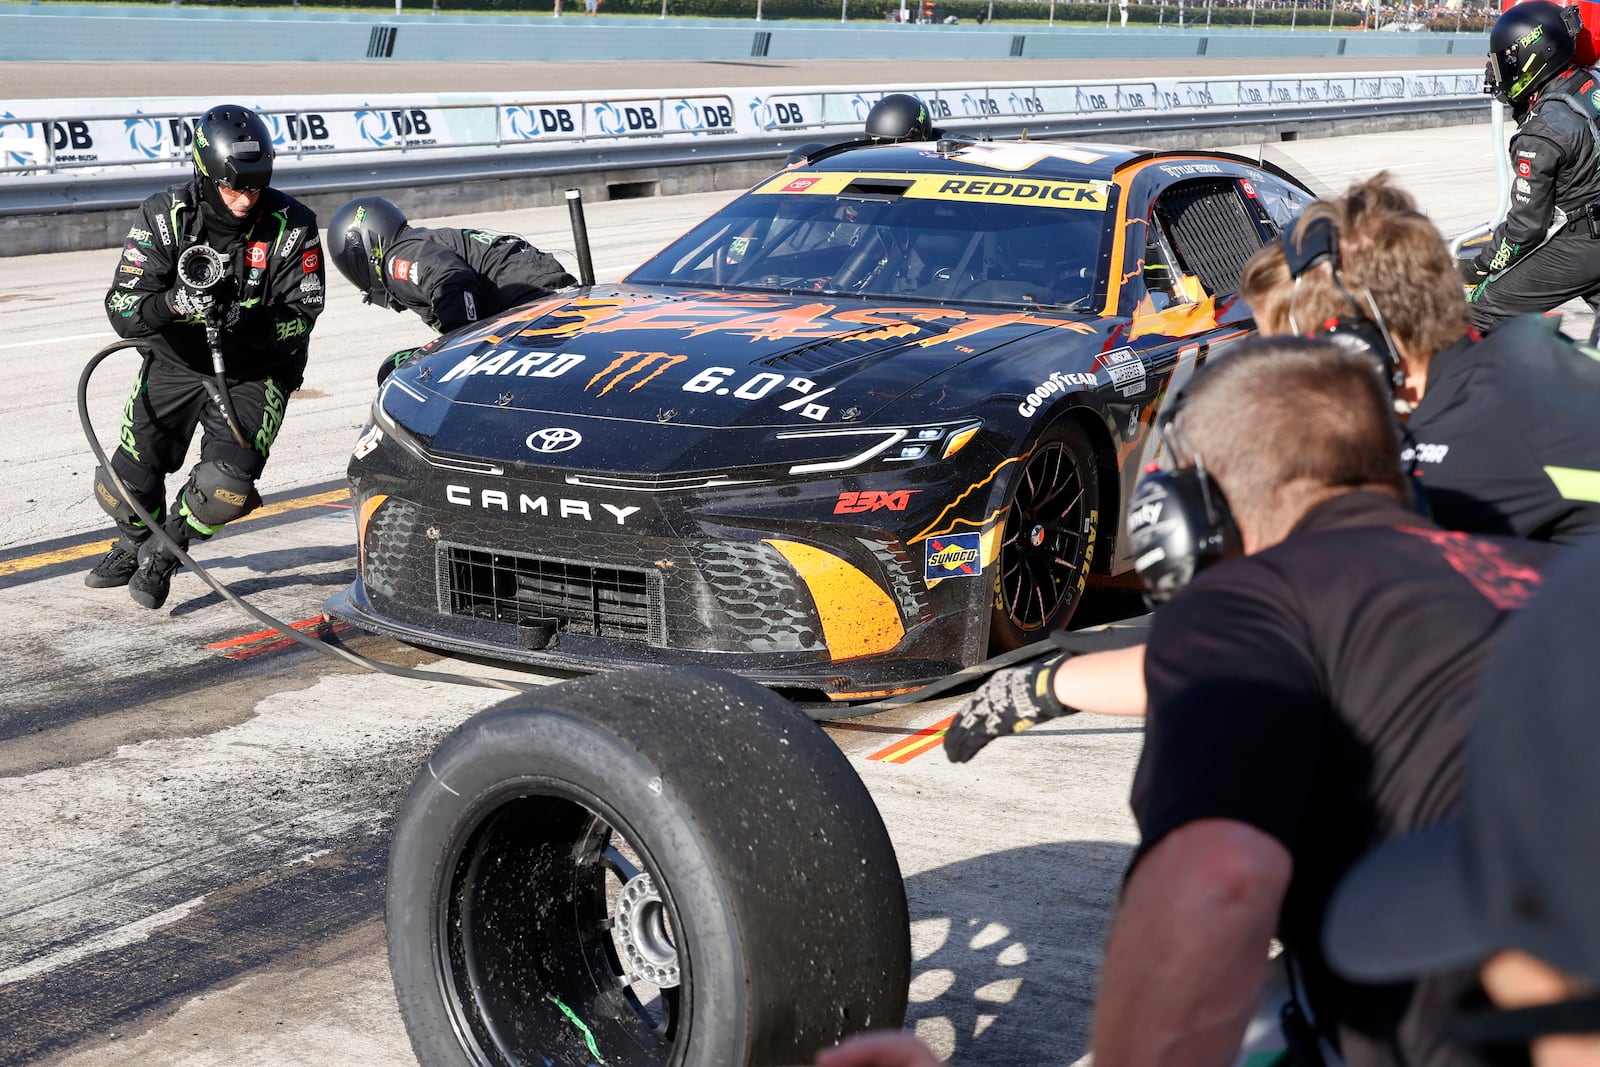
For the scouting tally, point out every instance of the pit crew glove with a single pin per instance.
(395, 361)
(1474, 271)
(1008, 702)
(189, 303)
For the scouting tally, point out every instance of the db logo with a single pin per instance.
(799, 185)
(309, 261)
(1524, 168)
(255, 254)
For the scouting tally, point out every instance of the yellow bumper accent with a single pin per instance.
(364, 516)
(858, 618)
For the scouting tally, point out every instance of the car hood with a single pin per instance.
(715, 359)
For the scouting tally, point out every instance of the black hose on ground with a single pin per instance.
(227, 594)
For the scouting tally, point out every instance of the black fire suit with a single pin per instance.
(1555, 164)
(455, 277)
(271, 296)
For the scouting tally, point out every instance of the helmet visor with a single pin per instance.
(357, 267)
(1501, 74)
(248, 168)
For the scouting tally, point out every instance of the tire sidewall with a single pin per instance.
(507, 752)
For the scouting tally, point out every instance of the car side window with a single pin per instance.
(1209, 229)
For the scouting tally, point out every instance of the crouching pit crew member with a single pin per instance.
(1307, 700)
(450, 277)
(1499, 434)
(1500, 431)
(261, 304)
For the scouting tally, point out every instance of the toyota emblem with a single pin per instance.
(554, 439)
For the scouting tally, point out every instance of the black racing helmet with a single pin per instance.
(898, 117)
(359, 236)
(232, 147)
(1529, 45)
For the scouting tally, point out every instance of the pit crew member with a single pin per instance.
(264, 305)
(1555, 169)
(449, 277)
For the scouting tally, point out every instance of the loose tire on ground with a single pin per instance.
(1049, 540)
(684, 827)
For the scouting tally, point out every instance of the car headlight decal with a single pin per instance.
(959, 440)
(914, 443)
(858, 617)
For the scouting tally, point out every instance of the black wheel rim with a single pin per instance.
(555, 942)
(1042, 550)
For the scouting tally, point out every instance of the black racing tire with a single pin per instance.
(1050, 536)
(692, 823)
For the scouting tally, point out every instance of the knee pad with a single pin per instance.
(218, 494)
(143, 485)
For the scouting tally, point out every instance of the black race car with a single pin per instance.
(873, 421)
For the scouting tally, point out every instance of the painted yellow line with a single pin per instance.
(94, 548)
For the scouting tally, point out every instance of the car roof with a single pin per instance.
(1070, 160)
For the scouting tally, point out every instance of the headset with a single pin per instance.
(1308, 243)
(1178, 521)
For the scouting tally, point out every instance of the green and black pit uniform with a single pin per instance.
(269, 300)
(1555, 165)
(456, 277)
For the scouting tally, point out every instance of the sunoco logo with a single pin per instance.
(951, 556)
(554, 439)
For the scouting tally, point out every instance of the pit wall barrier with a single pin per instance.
(71, 169)
(76, 33)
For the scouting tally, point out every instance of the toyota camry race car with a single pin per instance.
(873, 421)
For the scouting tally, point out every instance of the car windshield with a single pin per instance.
(964, 238)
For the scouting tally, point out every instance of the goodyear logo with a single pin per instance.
(952, 556)
(1039, 192)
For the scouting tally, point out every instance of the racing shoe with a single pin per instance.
(116, 567)
(151, 582)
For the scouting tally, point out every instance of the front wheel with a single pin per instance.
(1047, 546)
(654, 868)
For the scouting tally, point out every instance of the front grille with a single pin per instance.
(585, 599)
